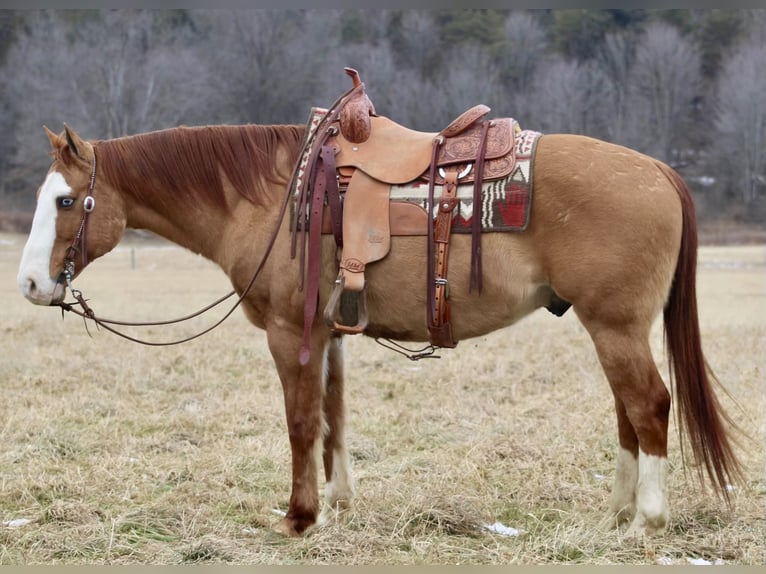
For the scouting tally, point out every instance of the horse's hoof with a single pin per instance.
(291, 528)
(615, 519)
(286, 528)
(338, 511)
(643, 528)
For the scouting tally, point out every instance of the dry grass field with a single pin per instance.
(116, 453)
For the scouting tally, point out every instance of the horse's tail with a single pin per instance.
(698, 411)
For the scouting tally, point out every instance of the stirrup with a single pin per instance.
(337, 309)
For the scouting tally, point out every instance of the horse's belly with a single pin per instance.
(512, 288)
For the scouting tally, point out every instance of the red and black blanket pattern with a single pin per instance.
(506, 203)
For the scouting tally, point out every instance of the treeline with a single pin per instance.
(685, 86)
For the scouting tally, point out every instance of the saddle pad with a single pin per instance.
(505, 202)
(315, 118)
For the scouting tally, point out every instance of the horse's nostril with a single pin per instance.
(31, 286)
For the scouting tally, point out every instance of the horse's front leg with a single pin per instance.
(339, 491)
(302, 387)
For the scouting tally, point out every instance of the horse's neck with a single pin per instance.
(170, 192)
(199, 228)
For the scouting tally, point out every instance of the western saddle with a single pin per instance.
(349, 164)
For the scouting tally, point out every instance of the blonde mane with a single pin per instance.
(190, 163)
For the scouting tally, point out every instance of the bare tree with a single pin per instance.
(521, 58)
(270, 65)
(107, 74)
(114, 72)
(384, 81)
(39, 81)
(468, 76)
(741, 121)
(665, 80)
(420, 44)
(615, 58)
(523, 50)
(136, 77)
(756, 25)
(111, 75)
(569, 98)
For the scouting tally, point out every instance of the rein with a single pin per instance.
(79, 244)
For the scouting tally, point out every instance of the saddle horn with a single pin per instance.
(354, 118)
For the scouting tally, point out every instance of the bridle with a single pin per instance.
(79, 245)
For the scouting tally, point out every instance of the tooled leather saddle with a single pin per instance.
(341, 185)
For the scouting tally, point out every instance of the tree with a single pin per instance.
(664, 83)
(483, 27)
(390, 86)
(39, 87)
(615, 58)
(269, 65)
(112, 72)
(415, 41)
(578, 34)
(629, 76)
(522, 50)
(137, 75)
(428, 104)
(9, 23)
(719, 32)
(569, 98)
(106, 73)
(741, 121)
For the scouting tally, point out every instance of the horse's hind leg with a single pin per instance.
(622, 501)
(643, 404)
(339, 490)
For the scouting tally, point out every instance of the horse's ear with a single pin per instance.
(56, 140)
(78, 146)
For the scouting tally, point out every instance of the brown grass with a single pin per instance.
(122, 454)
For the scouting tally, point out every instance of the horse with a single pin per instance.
(612, 232)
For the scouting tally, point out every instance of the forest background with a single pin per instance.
(685, 86)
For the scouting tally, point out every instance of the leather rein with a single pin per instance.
(79, 245)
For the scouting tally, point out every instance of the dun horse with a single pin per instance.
(612, 231)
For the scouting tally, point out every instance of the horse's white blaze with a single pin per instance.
(652, 500)
(34, 278)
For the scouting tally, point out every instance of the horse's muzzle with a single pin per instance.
(43, 291)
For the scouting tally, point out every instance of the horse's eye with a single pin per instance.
(65, 202)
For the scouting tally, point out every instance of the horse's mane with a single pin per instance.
(189, 162)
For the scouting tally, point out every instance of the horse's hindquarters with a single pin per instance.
(607, 224)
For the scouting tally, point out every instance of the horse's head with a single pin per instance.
(74, 221)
